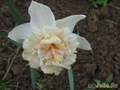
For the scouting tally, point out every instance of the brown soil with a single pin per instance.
(100, 28)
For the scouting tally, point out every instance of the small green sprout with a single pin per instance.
(103, 85)
(41, 85)
(117, 19)
(107, 81)
(96, 3)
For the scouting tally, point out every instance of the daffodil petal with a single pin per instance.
(41, 15)
(20, 32)
(51, 70)
(68, 61)
(83, 43)
(69, 21)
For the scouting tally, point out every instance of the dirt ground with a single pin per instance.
(100, 28)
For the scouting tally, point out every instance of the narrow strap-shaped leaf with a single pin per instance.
(15, 13)
(71, 79)
(33, 77)
(18, 19)
(4, 35)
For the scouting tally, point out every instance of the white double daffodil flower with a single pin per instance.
(49, 44)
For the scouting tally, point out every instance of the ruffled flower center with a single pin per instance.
(51, 49)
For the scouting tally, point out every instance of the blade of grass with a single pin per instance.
(4, 84)
(71, 79)
(18, 19)
(33, 77)
(4, 44)
(15, 13)
(8, 81)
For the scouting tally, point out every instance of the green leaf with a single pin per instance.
(33, 77)
(40, 85)
(98, 81)
(15, 13)
(109, 79)
(4, 35)
(71, 79)
(118, 19)
(105, 3)
(96, 3)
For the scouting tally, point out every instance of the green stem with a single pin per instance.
(71, 79)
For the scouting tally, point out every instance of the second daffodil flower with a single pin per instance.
(49, 44)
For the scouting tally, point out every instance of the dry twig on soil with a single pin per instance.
(11, 63)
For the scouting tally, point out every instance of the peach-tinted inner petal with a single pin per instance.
(53, 48)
